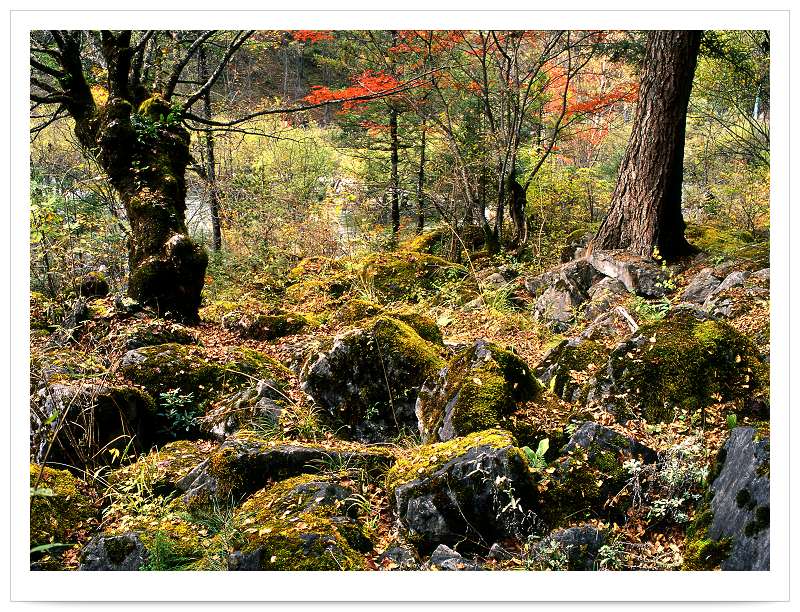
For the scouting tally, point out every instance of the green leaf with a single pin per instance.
(544, 446)
(48, 547)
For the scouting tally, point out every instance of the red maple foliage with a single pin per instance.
(368, 83)
(312, 36)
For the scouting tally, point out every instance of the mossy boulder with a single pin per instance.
(317, 266)
(82, 423)
(572, 549)
(686, 361)
(92, 284)
(730, 530)
(166, 367)
(245, 464)
(403, 274)
(266, 326)
(153, 332)
(160, 470)
(569, 369)
(356, 310)
(367, 381)
(481, 385)
(61, 508)
(464, 492)
(586, 481)
(262, 404)
(301, 524)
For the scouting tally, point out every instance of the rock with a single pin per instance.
(262, 404)
(590, 473)
(60, 506)
(569, 368)
(640, 275)
(482, 384)
(732, 530)
(597, 440)
(400, 274)
(560, 291)
(446, 559)
(154, 332)
(116, 553)
(760, 276)
(87, 418)
(398, 558)
(92, 284)
(368, 380)
(702, 285)
(573, 549)
(262, 326)
(189, 369)
(298, 524)
(162, 469)
(468, 490)
(241, 466)
(684, 361)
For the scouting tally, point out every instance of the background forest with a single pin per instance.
(400, 300)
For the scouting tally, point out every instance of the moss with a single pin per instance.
(315, 267)
(422, 461)
(689, 364)
(309, 540)
(586, 357)
(424, 326)
(154, 332)
(478, 395)
(402, 274)
(431, 242)
(189, 368)
(263, 326)
(154, 108)
(161, 469)
(60, 506)
(704, 554)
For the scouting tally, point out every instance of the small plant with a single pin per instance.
(536, 458)
(164, 556)
(611, 556)
(179, 410)
(731, 421)
(650, 311)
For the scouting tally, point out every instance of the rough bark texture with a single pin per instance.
(394, 182)
(144, 150)
(645, 210)
(211, 167)
(145, 157)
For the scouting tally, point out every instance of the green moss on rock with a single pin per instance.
(481, 385)
(422, 461)
(60, 505)
(401, 274)
(687, 363)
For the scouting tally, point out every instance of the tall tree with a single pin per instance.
(645, 211)
(131, 120)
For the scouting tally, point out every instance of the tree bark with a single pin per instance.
(645, 211)
(211, 169)
(394, 183)
(421, 183)
(146, 159)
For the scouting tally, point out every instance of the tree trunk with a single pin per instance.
(394, 183)
(145, 155)
(421, 184)
(211, 169)
(645, 211)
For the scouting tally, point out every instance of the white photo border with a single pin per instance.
(26, 585)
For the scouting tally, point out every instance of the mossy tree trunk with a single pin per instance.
(138, 138)
(645, 211)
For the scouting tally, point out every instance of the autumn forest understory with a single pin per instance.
(399, 300)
